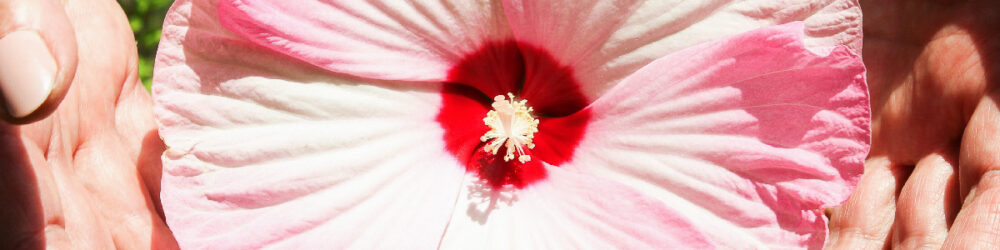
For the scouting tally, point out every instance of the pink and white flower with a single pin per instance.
(652, 124)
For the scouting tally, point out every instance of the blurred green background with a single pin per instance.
(146, 18)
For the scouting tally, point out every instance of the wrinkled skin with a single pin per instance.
(932, 178)
(87, 176)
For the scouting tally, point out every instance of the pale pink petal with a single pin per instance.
(568, 210)
(265, 150)
(605, 41)
(413, 40)
(749, 137)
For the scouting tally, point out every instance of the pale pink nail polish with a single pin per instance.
(27, 72)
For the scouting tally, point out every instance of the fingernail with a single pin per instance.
(27, 71)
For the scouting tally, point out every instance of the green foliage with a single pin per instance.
(146, 19)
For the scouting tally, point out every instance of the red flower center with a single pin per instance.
(530, 74)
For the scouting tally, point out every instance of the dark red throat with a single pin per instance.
(531, 74)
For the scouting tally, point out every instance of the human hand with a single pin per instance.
(933, 177)
(83, 173)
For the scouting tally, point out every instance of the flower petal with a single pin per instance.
(569, 210)
(749, 137)
(265, 150)
(416, 40)
(605, 41)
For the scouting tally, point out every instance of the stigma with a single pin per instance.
(511, 126)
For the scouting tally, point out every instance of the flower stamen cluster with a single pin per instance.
(511, 125)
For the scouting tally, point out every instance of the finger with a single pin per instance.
(865, 219)
(976, 226)
(927, 204)
(38, 57)
(980, 145)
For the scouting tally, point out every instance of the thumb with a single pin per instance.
(38, 56)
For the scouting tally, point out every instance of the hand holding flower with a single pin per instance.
(931, 179)
(658, 124)
(79, 151)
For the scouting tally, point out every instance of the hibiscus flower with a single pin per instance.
(509, 124)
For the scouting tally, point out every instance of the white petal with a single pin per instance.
(568, 210)
(749, 137)
(417, 40)
(605, 41)
(267, 151)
